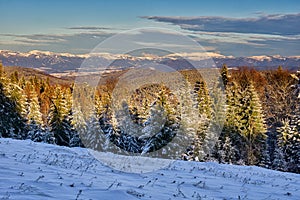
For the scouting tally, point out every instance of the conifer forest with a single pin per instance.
(261, 125)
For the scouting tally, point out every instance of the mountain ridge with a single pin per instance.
(52, 62)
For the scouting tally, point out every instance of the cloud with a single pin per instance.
(277, 24)
(75, 42)
(263, 34)
(90, 28)
(83, 39)
(240, 38)
(35, 38)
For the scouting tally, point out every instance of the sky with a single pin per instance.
(238, 28)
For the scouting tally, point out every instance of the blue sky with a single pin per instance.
(242, 28)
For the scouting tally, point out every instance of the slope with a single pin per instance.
(31, 170)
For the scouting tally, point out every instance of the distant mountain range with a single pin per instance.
(51, 62)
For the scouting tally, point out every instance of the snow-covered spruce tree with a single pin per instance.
(103, 111)
(12, 124)
(190, 122)
(283, 134)
(59, 118)
(204, 100)
(75, 140)
(289, 146)
(46, 91)
(286, 154)
(14, 77)
(277, 104)
(225, 75)
(244, 124)
(125, 133)
(279, 162)
(231, 124)
(229, 148)
(213, 118)
(294, 159)
(86, 127)
(288, 134)
(17, 95)
(34, 115)
(161, 126)
(90, 118)
(251, 125)
(1, 69)
(94, 136)
(218, 108)
(102, 101)
(79, 123)
(227, 151)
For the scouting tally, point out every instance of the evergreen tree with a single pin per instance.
(190, 122)
(17, 95)
(217, 108)
(34, 115)
(279, 161)
(161, 127)
(59, 119)
(278, 104)
(244, 124)
(227, 151)
(12, 124)
(94, 136)
(225, 75)
(252, 126)
(231, 124)
(203, 98)
(1, 69)
(287, 148)
(14, 77)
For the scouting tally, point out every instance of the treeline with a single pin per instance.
(261, 127)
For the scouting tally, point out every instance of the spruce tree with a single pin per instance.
(252, 126)
(227, 151)
(12, 124)
(161, 127)
(225, 75)
(287, 149)
(34, 114)
(280, 155)
(59, 118)
(1, 69)
(216, 122)
(231, 124)
(190, 123)
(278, 104)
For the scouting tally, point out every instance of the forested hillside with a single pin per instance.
(261, 128)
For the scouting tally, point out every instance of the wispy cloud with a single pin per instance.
(74, 42)
(35, 38)
(90, 28)
(280, 24)
(263, 34)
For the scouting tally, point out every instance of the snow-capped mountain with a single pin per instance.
(51, 62)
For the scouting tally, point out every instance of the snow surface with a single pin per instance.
(31, 170)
